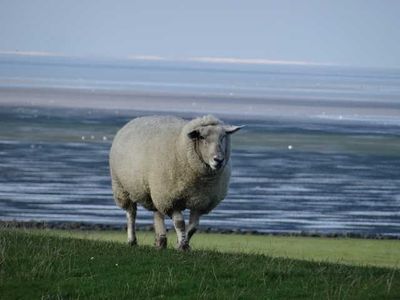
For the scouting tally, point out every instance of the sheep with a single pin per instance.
(167, 165)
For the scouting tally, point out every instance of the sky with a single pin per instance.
(351, 32)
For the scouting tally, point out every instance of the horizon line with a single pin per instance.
(199, 59)
(188, 59)
(228, 60)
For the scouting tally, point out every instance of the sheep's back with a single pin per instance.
(139, 147)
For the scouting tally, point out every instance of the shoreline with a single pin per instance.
(245, 107)
(83, 226)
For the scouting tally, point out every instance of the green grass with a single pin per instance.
(46, 266)
(360, 252)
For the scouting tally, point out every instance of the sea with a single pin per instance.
(320, 153)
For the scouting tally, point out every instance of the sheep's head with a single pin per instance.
(212, 144)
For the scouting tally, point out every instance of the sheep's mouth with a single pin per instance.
(215, 166)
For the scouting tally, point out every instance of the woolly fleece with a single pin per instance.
(154, 163)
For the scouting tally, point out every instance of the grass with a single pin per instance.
(44, 265)
(359, 252)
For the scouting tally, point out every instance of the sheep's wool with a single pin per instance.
(153, 162)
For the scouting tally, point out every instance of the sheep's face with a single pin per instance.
(212, 144)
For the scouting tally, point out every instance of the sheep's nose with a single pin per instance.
(218, 160)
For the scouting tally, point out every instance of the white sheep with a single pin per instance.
(167, 165)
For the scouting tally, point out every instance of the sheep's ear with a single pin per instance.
(229, 129)
(194, 134)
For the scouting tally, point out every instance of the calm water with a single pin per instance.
(320, 153)
(335, 178)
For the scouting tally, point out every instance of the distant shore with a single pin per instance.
(249, 107)
(115, 227)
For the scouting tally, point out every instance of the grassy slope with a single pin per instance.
(35, 266)
(383, 253)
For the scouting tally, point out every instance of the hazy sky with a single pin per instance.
(349, 32)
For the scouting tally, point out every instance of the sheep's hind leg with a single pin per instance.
(123, 200)
(131, 227)
(161, 232)
(194, 220)
(179, 224)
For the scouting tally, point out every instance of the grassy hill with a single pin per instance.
(351, 251)
(47, 265)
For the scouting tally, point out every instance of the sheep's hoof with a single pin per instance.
(132, 242)
(183, 246)
(161, 242)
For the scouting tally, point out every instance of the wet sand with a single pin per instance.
(245, 107)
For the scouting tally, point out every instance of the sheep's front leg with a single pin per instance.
(131, 228)
(194, 220)
(179, 224)
(161, 232)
